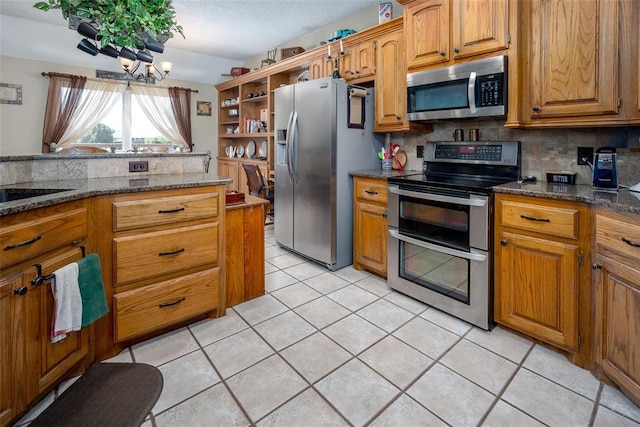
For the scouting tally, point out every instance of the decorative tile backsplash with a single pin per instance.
(542, 149)
(55, 167)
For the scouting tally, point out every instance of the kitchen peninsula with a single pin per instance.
(160, 239)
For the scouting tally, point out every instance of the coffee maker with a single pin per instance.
(605, 169)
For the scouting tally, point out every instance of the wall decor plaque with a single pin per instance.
(10, 94)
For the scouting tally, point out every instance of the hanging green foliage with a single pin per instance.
(122, 22)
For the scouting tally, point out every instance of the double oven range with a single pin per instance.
(440, 226)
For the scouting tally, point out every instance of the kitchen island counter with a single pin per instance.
(75, 189)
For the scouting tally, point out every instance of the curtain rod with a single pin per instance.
(128, 82)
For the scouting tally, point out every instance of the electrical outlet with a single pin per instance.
(139, 166)
(585, 155)
(420, 151)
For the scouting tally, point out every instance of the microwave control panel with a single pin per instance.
(490, 90)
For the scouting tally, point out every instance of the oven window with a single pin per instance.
(443, 273)
(435, 221)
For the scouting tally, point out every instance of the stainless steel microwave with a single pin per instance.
(472, 89)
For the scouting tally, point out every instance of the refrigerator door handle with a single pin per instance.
(294, 146)
(288, 145)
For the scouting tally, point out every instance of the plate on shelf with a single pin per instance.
(262, 151)
(251, 149)
(230, 151)
(240, 151)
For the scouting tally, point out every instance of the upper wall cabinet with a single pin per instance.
(575, 63)
(578, 64)
(358, 61)
(438, 31)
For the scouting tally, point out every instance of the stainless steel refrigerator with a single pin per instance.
(315, 149)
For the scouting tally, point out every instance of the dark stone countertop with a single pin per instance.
(622, 200)
(382, 174)
(81, 188)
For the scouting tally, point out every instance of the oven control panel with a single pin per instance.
(469, 152)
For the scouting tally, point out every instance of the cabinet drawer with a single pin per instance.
(164, 210)
(621, 236)
(373, 190)
(152, 307)
(153, 254)
(555, 221)
(42, 231)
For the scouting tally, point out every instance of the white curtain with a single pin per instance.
(97, 99)
(156, 104)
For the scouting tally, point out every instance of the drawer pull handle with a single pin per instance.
(21, 244)
(371, 192)
(170, 304)
(530, 218)
(172, 253)
(630, 243)
(171, 210)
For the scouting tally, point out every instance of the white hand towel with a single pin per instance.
(67, 313)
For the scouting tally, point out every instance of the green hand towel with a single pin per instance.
(94, 302)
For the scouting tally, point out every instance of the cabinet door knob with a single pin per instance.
(595, 266)
(443, 53)
(536, 108)
(384, 215)
(21, 291)
(398, 117)
(503, 242)
(456, 50)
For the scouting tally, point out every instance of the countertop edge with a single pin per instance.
(85, 188)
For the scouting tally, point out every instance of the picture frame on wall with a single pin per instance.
(10, 94)
(203, 108)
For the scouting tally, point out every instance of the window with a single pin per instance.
(122, 117)
(124, 128)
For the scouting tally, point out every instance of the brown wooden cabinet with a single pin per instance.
(390, 103)
(370, 225)
(439, 31)
(162, 252)
(30, 365)
(390, 85)
(244, 257)
(358, 60)
(320, 67)
(578, 64)
(574, 60)
(617, 300)
(542, 272)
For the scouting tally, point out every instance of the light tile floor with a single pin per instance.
(341, 348)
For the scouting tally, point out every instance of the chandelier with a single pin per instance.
(128, 57)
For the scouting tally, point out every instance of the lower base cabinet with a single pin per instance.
(617, 300)
(542, 271)
(244, 251)
(34, 245)
(30, 365)
(370, 225)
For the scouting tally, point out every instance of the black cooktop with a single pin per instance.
(466, 166)
(458, 182)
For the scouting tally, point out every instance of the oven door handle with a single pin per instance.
(453, 252)
(438, 197)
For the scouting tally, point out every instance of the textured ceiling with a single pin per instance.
(235, 30)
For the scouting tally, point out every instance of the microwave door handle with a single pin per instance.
(442, 249)
(438, 197)
(471, 93)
